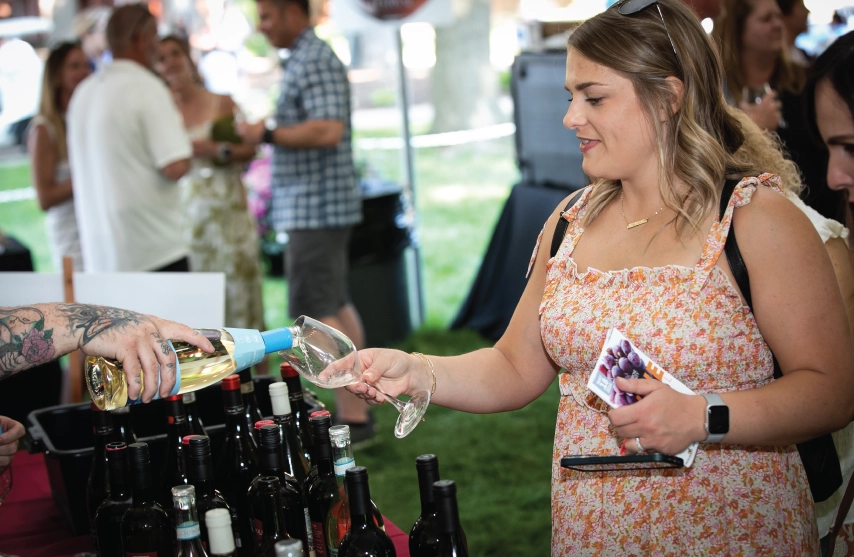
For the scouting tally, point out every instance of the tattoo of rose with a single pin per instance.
(37, 346)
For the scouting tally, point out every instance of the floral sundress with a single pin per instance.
(735, 499)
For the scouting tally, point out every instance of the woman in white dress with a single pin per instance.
(65, 68)
(219, 228)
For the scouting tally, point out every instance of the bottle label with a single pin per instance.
(249, 347)
(247, 388)
(258, 527)
(188, 531)
(342, 467)
(319, 542)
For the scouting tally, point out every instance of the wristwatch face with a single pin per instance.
(718, 420)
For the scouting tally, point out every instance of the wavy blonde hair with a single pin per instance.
(704, 140)
(49, 103)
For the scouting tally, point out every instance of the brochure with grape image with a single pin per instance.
(621, 358)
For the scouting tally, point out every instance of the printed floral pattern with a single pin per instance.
(222, 236)
(735, 499)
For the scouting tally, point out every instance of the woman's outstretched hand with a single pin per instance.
(393, 371)
(664, 420)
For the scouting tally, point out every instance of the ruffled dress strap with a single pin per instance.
(570, 216)
(741, 195)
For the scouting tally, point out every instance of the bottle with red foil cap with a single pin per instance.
(98, 486)
(174, 463)
(299, 408)
(238, 462)
(200, 467)
(108, 518)
(311, 477)
(272, 463)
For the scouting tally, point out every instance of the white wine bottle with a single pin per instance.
(234, 350)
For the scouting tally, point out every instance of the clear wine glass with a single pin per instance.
(327, 358)
(753, 95)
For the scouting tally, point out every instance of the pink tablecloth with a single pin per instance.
(31, 526)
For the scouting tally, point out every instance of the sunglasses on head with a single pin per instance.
(631, 7)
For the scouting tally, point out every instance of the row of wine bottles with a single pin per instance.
(276, 479)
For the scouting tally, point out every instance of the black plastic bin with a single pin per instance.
(64, 435)
(378, 274)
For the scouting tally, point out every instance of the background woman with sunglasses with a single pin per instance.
(643, 254)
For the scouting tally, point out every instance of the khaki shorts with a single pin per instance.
(316, 265)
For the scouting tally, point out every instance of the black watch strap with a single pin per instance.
(267, 137)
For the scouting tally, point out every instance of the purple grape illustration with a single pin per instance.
(603, 370)
(609, 360)
(625, 346)
(635, 359)
(626, 367)
(615, 371)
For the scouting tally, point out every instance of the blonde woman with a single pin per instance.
(65, 68)
(643, 254)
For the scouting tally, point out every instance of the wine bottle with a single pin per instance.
(295, 461)
(191, 409)
(250, 401)
(123, 426)
(272, 463)
(200, 468)
(452, 542)
(424, 536)
(289, 548)
(269, 491)
(234, 350)
(238, 463)
(364, 538)
(98, 485)
(187, 522)
(323, 488)
(146, 528)
(219, 527)
(337, 521)
(108, 517)
(299, 408)
(312, 472)
(174, 463)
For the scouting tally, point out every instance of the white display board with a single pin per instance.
(195, 299)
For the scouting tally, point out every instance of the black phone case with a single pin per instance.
(611, 463)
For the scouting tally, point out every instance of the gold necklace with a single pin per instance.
(630, 225)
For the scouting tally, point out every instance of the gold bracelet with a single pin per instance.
(429, 363)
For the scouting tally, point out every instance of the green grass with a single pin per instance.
(501, 462)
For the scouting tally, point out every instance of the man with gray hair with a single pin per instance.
(127, 148)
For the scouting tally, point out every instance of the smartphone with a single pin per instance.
(607, 463)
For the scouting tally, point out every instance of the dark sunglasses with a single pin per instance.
(631, 7)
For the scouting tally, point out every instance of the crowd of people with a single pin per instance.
(148, 162)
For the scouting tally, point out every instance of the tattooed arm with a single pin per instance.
(36, 334)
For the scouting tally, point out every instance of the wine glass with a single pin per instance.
(753, 95)
(327, 358)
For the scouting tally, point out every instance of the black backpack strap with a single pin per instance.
(562, 224)
(819, 456)
(733, 255)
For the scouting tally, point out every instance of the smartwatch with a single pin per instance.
(717, 419)
(267, 137)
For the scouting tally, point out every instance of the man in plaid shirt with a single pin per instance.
(316, 198)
